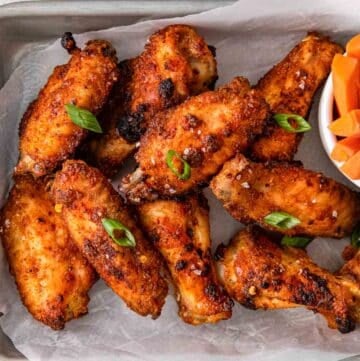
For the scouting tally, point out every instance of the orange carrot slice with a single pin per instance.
(352, 166)
(345, 75)
(353, 47)
(347, 125)
(346, 148)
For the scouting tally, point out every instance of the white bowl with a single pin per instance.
(326, 112)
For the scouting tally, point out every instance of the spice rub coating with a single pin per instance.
(176, 63)
(260, 274)
(47, 134)
(250, 191)
(205, 131)
(86, 197)
(180, 230)
(289, 87)
(51, 275)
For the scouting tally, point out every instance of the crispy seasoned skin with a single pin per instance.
(181, 232)
(258, 273)
(52, 277)
(47, 134)
(176, 63)
(86, 197)
(289, 87)
(205, 130)
(250, 191)
(350, 276)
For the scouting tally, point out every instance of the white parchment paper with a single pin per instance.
(250, 37)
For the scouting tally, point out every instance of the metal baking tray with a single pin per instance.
(40, 23)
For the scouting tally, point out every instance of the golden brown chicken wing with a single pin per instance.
(86, 198)
(258, 273)
(47, 134)
(252, 191)
(52, 277)
(289, 87)
(188, 144)
(350, 276)
(175, 64)
(180, 231)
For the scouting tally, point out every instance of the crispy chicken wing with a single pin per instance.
(175, 64)
(52, 277)
(205, 131)
(289, 87)
(181, 232)
(86, 198)
(251, 191)
(258, 273)
(350, 275)
(47, 134)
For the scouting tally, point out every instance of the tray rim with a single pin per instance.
(106, 8)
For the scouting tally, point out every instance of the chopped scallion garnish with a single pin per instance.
(281, 220)
(83, 118)
(355, 237)
(298, 242)
(186, 171)
(124, 237)
(283, 121)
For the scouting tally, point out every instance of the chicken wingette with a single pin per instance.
(180, 230)
(176, 63)
(52, 277)
(48, 136)
(289, 87)
(260, 274)
(286, 198)
(188, 144)
(87, 199)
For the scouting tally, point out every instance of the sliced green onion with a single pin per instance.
(355, 237)
(281, 220)
(298, 242)
(169, 161)
(83, 118)
(283, 121)
(112, 225)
